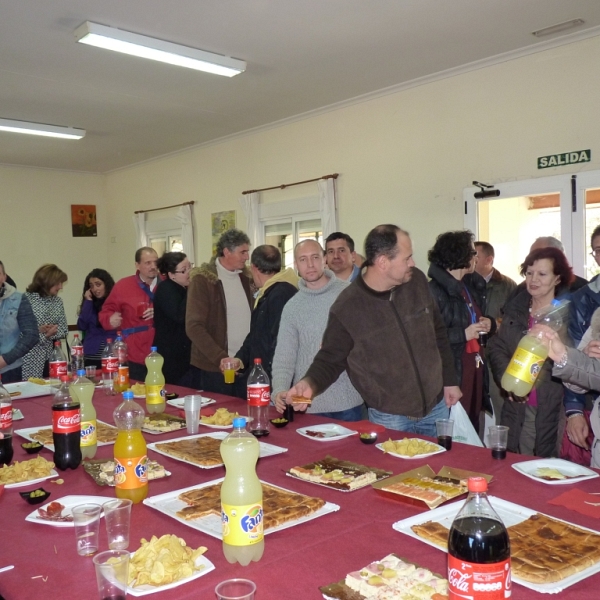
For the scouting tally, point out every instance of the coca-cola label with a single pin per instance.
(110, 364)
(6, 418)
(58, 368)
(259, 394)
(76, 350)
(475, 581)
(66, 421)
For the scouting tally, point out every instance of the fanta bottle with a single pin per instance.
(131, 476)
(241, 497)
(82, 391)
(155, 382)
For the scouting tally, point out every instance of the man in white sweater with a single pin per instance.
(303, 323)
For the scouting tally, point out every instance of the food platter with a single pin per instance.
(572, 472)
(101, 470)
(27, 433)
(439, 450)
(68, 502)
(27, 389)
(326, 432)
(172, 423)
(9, 486)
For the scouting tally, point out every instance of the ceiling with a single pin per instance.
(302, 55)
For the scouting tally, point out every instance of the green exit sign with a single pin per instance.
(567, 158)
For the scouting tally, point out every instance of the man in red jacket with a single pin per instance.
(129, 309)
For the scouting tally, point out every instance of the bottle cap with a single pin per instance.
(477, 484)
(239, 422)
(128, 395)
(152, 348)
(80, 372)
(258, 361)
(65, 377)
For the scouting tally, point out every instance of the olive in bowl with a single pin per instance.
(32, 447)
(368, 438)
(35, 496)
(280, 422)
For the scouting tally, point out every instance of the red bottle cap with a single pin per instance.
(477, 484)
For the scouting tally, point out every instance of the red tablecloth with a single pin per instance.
(296, 561)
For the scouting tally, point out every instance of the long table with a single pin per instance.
(297, 560)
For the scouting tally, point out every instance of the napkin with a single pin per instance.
(576, 500)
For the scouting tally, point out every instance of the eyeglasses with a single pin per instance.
(186, 270)
(595, 252)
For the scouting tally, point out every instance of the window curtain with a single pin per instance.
(139, 222)
(256, 233)
(327, 206)
(185, 217)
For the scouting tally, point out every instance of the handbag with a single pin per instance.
(463, 428)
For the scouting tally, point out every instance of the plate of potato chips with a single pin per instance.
(221, 419)
(164, 563)
(27, 472)
(410, 448)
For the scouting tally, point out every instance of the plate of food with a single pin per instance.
(179, 402)
(27, 472)
(59, 513)
(221, 419)
(158, 423)
(17, 414)
(554, 471)
(410, 448)
(102, 470)
(28, 389)
(106, 435)
(327, 432)
(139, 390)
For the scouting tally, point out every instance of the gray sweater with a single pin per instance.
(303, 323)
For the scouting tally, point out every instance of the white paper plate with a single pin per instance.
(511, 514)
(331, 431)
(178, 402)
(26, 433)
(169, 505)
(26, 389)
(17, 414)
(575, 472)
(139, 396)
(9, 486)
(210, 426)
(68, 502)
(264, 448)
(438, 451)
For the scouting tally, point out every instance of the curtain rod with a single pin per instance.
(137, 212)
(284, 185)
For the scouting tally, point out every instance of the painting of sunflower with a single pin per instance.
(83, 220)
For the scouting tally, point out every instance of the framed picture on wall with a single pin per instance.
(83, 220)
(220, 223)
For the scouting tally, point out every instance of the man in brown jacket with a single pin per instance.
(219, 304)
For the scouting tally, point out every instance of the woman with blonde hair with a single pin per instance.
(49, 312)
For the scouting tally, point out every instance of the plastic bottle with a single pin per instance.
(131, 476)
(82, 391)
(155, 382)
(530, 354)
(66, 428)
(76, 354)
(478, 549)
(120, 351)
(259, 399)
(241, 497)
(58, 362)
(110, 368)
(6, 424)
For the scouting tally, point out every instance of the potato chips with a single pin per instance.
(163, 560)
(138, 389)
(409, 447)
(26, 470)
(221, 417)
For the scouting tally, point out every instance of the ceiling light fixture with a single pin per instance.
(67, 133)
(143, 46)
(558, 28)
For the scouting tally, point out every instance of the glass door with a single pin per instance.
(588, 194)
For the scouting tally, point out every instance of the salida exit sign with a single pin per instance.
(567, 158)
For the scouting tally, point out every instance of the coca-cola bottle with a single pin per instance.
(58, 362)
(76, 354)
(66, 428)
(110, 368)
(478, 549)
(6, 421)
(259, 398)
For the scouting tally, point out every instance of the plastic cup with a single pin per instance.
(236, 589)
(112, 568)
(86, 519)
(444, 428)
(498, 441)
(229, 369)
(117, 515)
(90, 372)
(191, 405)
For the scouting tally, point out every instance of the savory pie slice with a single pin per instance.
(433, 532)
(203, 451)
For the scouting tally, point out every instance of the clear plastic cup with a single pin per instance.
(191, 406)
(112, 569)
(117, 516)
(86, 519)
(236, 589)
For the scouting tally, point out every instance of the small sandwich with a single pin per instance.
(301, 400)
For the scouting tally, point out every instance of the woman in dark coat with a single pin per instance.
(460, 296)
(170, 300)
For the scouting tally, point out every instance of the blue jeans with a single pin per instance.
(424, 426)
(350, 414)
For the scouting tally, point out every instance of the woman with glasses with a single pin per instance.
(169, 316)
(460, 296)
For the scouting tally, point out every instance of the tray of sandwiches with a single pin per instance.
(341, 475)
(422, 487)
(199, 507)
(204, 450)
(106, 435)
(389, 578)
(547, 554)
(102, 470)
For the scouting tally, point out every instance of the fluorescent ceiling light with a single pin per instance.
(143, 46)
(558, 28)
(67, 133)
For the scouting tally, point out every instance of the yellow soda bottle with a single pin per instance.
(155, 382)
(241, 497)
(524, 366)
(82, 391)
(131, 475)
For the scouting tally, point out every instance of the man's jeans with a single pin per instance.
(424, 426)
(350, 414)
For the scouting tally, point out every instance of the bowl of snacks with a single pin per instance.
(368, 438)
(32, 447)
(279, 422)
(36, 496)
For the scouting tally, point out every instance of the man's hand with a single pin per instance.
(280, 402)
(148, 313)
(592, 349)
(578, 431)
(2, 362)
(115, 320)
(452, 395)
(302, 388)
